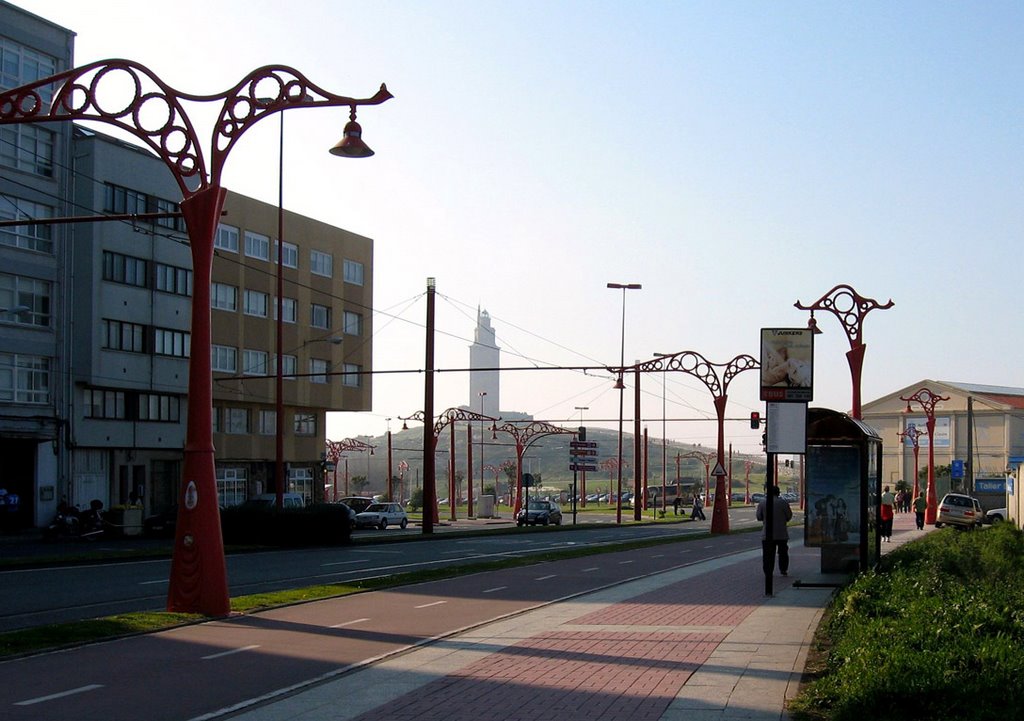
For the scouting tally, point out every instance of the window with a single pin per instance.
(121, 335)
(159, 407)
(24, 378)
(103, 404)
(320, 316)
(19, 292)
(176, 343)
(321, 263)
(353, 272)
(118, 199)
(215, 418)
(28, 237)
(268, 423)
(350, 376)
(300, 480)
(257, 245)
(20, 65)
(318, 370)
(168, 206)
(171, 279)
(289, 310)
(227, 238)
(289, 252)
(353, 323)
(289, 366)
(256, 303)
(125, 269)
(254, 362)
(224, 358)
(28, 148)
(224, 297)
(305, 424)
(236, 420)
(231, 486)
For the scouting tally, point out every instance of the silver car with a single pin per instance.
(959, 511)
(382, 515)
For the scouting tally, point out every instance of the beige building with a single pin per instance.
(326, 344)
(993, 430)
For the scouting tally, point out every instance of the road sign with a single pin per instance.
(719, 471)
(582, 444)
(956, 468)
(583, 452)
(582, 467)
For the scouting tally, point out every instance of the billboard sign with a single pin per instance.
(787, 365)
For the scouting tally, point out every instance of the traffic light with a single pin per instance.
(582, 433)
(755, 420)
(527, 480)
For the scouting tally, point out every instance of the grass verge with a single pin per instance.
(936, 632)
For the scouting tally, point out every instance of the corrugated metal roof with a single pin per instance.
(1013, 397)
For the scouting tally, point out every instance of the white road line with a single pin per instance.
(345, 563)
(623, 563)
(349, 623)
(62, 694)
(658, 555)
(592, 568)
(496, 588)
(228, 653)
(428, 605)
(544, 578)
(153, 583)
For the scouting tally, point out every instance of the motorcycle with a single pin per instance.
(73, 523)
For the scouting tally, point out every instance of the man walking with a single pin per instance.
(776, 538)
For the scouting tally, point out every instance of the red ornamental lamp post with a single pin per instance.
(154, 112)
(524, 436)
(707, 372)
(337, 449)
(914, 434)
(850, 308)
(928, 400)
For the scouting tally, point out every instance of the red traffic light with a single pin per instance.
(755, 420)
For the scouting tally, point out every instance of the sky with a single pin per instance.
(732, 157)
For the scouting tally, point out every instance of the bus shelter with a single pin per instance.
(844, 484)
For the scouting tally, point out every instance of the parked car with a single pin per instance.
(542, 512)
(996, 515)
(269, 500)
(382, 515)
(756, 497)
(959, 511)
(357, 503)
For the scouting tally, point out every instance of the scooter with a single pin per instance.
(73, 523)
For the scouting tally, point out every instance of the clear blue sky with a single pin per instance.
(734, 157)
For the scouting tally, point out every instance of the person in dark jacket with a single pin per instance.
(776, 538)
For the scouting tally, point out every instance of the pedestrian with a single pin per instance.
(775, 539)
(885, 514)
(675, 506)
(920, 506)
(898, 507)
(698, 509)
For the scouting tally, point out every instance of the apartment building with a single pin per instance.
(34, 185)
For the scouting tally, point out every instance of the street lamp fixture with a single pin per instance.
(928, 400)
(621, 387)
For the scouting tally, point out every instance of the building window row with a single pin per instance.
(28, 237)
(129, 270)
(20, 65)
(235, 421)
(114, 405)
(257, 245)
(137, 338)
(25, 301)
(28, 148)
(24, 378)
(127, 201)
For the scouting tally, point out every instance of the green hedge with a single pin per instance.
(937, 632)
(321, 524)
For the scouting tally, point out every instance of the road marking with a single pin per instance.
(349, 623)
(592, 568)
(623, 563)
(658, 555)
(345, 563)
(62, 694)
(428, 605)
(151, 583)
(496, 588)
(544, 578)
(229, 653)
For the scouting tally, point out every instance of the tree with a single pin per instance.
(359, 483)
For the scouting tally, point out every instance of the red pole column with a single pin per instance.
(198, 580)
(720, 517)
(933, 502)
(469, 470)
(451, 474)
(638, 465)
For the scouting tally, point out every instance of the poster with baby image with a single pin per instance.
(787, 364)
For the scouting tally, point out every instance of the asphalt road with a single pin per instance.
(202, 671)
(33, 597)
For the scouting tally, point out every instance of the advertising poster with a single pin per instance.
(942, 434)
(787, 364)
(833, 496)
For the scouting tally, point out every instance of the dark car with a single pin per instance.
(357, 503)
(542, 512)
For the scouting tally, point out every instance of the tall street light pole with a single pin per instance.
(621, 387)
(198, 581)
(664, 431)
(850, 308)
(928, 400)
(482, 395)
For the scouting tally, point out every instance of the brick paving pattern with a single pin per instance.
(607, 671)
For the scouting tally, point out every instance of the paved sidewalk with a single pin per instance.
(693, 644)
